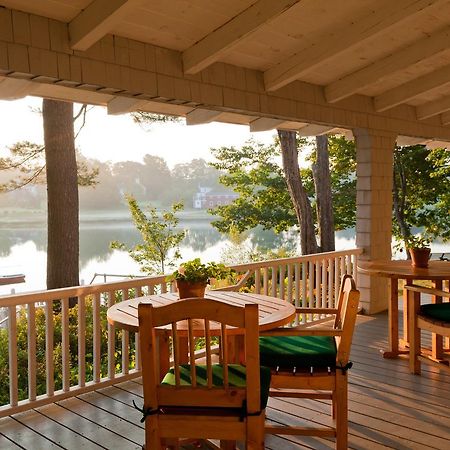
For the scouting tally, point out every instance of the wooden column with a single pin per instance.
(374, 170)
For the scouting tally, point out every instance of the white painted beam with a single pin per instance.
(314, 130)
(199, 116)
(15, 88)
(386, 15)
(214, 45)
(385, 67)
(97, 20)
(407, 91)
(433, 108)
(409, 140)
(445, 118)
(265, 124)
(124, 105)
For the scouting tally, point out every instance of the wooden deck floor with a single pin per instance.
(389, 408)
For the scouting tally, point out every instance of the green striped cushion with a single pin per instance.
(297, 351)
(438, 311)
(236, 377)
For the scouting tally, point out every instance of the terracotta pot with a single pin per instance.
(419, 256)
(187, 289)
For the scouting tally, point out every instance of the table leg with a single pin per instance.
(393, 321)
(437, 340)
(405, 314)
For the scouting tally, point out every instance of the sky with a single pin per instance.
(118, 138)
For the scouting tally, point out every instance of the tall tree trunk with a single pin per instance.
(297, 191)
(324, 204)
(62, 195)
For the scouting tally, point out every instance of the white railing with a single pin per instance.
(55, 351)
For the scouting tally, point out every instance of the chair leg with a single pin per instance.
(414, 332)
(341, 410)
(255, 432)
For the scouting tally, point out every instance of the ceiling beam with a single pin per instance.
(386, 15)
(445, 118)
(214, 45)
(404, 141)
(124, 105)
(407, 91)
(265, 124)
(15, 88)
(314, 130)
(385, 67)
(199, 116)
(433, 108)
(97, 20)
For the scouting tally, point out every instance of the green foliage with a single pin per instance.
(40, 331)
(422, 179)
(159, 238)
(254, 172)
(195, 271)
(417, 241)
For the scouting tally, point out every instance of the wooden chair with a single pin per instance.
(305, 361)
(434, 318)
(203, 401)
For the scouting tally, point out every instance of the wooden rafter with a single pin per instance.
(387, 15)
(265, 124)
(357, 81)
(411, 89)
(445, 118)
(314, 130)
(433, 108)
(199, 116)
(15, 88)
(123, 105)
(211, 47)
(97, 20)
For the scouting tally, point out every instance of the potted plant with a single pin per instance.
(419, 249)
(193, 276)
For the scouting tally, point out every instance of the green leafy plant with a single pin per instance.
(195, 271)
(417, 241)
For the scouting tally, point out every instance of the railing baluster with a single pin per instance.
(289, 284)
(304, 278)
(331, 283)
(31, 331)
(266, 280)
(336, 280)
(258, 281)
(65, 343)
(49, 339)
(111, 341)
(12, 356)
(97, 352)
(297, 290)
(81, 341)
(274, 282)
(324, 282)
(311, 287)
(125, 341)
(281, 281)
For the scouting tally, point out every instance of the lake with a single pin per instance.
(23, 247)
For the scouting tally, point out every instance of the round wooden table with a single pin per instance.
(437, 272)
(273, 312)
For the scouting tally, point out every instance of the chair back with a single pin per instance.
(347, 310)
(189, 320)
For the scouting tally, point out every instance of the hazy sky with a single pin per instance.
(117, 138)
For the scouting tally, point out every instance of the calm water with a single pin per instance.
(23, 248)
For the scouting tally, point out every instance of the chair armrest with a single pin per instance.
(425, 290)
(316, 310)
(296, 331)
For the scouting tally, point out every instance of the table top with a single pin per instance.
(436, 270)
(273, 312)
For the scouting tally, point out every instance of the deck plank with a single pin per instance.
(388, 408)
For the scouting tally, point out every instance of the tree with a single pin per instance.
(55, 163)
(322, 184)
(421, 195)
(159, 237)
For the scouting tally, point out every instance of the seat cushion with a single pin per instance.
(438, 311)
(236, 377)
(287, 352)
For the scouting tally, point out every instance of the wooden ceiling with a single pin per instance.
(393, 52)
